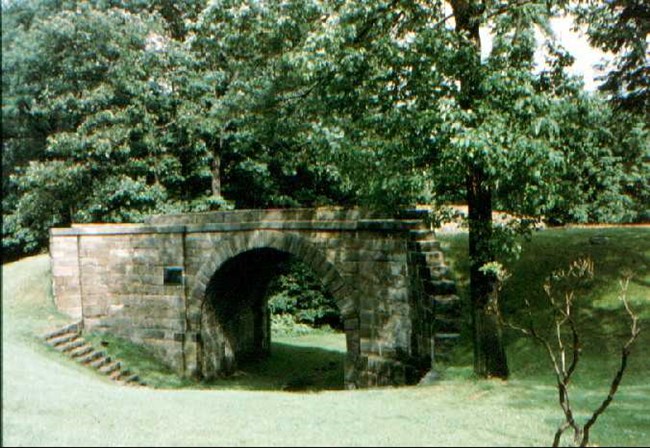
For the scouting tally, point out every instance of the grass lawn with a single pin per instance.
(49, 400)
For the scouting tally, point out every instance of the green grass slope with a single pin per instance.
(51, 401)
(602, 322)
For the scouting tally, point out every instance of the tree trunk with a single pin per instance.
(489, 354)
(216, 174)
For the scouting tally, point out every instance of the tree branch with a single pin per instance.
(564, 316)
(625, 352)
(496, 12)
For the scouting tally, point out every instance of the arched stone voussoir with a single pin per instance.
(346, 300)
(198, 291)
(235, 245)
(330, 277)
(291, 243)
(317, 261)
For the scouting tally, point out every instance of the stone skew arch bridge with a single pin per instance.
(190, 286)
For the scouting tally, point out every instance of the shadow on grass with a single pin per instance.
(289, 368)
(602, 320)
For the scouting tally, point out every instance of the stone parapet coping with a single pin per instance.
(256, 215)
(379, 225)
(292, 214)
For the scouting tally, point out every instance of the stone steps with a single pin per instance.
(81, 351)
(90, 357)
(100, 362)
(110, 367)
(69, 341)
(438, 291)
(63, 339)
(71, 328)
(71, 345)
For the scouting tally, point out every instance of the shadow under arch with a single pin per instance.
(238, 327)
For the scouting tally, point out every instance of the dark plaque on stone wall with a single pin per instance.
(173, 275)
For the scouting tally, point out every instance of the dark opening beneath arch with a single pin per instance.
(238, 296)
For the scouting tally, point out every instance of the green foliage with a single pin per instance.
(283, 183)
(43, 204)
(298, 301)
(604, 156)
(245, 52)
(383, 87)
(90, 79)
(286, 324)
(621, 28)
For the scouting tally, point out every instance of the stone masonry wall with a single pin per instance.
(65, 274)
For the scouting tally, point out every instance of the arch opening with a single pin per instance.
(236, 328)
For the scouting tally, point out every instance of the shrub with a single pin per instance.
(299, 296)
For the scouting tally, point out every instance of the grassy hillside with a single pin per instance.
(602, 323)
(601, 316)
(48, 400)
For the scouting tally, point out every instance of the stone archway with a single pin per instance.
(218, 345)
(146, 282)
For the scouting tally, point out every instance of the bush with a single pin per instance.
(297, 295)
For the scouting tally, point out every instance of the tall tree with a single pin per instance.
(489, 352)
(245, 51)
(403, 87)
